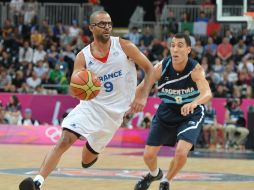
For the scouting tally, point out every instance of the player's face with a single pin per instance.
(102, 27)
(179, 50)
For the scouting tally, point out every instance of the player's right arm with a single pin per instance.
(79, 63)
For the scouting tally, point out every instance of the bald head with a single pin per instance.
(94, 16)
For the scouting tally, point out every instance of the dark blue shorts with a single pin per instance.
(164, 132)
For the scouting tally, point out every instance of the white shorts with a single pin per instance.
(93, 123)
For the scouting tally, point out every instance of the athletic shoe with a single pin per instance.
(146, 181)
(29, 184)
(164, 185)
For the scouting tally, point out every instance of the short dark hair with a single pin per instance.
(186, 38)
(94, 14)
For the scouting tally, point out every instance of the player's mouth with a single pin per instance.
(175, 56)
(106, 34)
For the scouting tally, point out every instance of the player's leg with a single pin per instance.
(158, 135)
(50, 161)
(89, 156)
(150, 158)
(182, 149)
(187, 136)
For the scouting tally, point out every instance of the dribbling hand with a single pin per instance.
(137, 105)
(188, 108)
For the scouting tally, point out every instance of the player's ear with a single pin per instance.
(91, 27)
(189, 49)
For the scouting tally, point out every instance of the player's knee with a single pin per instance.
(181, 153)
(89, 164)
(149, 156)
(64, 142)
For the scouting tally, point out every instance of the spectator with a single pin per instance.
(28, 119)
(239, 50)
(250, 55)
(221, 91)
(74, 29)
(202, 17)
(134, 35)
(192, 38)
(218, 68)
(16, 10)
(31, 9)
(3, 120)
(224, 50)
(5, 60)
(25, 54)
(146, 122)
(36, 38)
(5, 81)
(127, 121)
(172, 24)
(212, 128)
(45, 28)
(39, 54)
(13, 110)
(58, 29)
(23, 29)
(235, 129)
(210, 48)
(52, 55)
(33, 81)
(19, 82)
(147, 37)
(199, 49)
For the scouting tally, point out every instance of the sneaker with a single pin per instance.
(146, 181)
(164, 185)
(29, 184)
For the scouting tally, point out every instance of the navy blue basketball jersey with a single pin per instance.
(177, 88)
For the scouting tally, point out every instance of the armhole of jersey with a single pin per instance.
(84, 55)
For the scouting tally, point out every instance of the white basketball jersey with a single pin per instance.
(118, 77)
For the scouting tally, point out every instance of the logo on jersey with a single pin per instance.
(90, 63)
(179, 99)
(191, 123)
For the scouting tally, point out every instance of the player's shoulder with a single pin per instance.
(80, 57)
(125, 43)
(197, 72)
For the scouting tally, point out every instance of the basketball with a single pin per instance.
(85, 85)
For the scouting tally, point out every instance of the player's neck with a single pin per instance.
(100, 46)
(100, 49)
(179, 67)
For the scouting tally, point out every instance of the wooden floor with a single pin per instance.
(24, 156)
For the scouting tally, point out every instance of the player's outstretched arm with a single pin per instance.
(198, 76)
(140, 59)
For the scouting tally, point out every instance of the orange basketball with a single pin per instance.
(85, 85)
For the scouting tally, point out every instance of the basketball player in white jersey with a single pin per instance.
(112, 60)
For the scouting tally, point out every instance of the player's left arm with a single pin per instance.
(198, 76)
(141, 60)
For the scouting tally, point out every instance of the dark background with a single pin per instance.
(120, 10)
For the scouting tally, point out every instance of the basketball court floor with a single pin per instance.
(120, 168)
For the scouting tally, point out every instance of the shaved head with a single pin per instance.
(93, 17)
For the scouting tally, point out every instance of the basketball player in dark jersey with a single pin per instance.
(183, 89)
